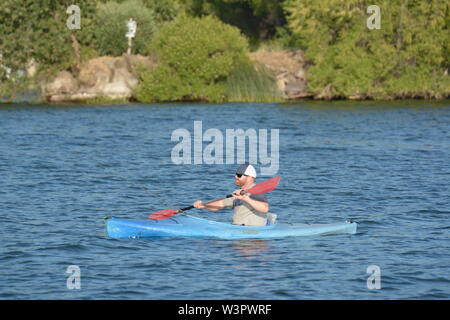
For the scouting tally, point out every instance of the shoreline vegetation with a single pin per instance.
(224, 51)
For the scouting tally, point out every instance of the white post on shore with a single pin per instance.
(132, 26)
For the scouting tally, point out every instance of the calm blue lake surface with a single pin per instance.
(383, 164)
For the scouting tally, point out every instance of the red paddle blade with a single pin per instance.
(163, 214)
(265, 186)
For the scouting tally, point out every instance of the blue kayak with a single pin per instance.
(182, 226)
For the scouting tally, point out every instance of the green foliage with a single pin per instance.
(407, 57)
(204, 59)
(110, 27)
(195, 56)
(16, 88)
(257, 19)
(37, 29)
(6, 91)
(164, 10)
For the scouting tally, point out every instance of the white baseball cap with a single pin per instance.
(246, 169)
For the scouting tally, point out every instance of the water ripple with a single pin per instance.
(64, 169)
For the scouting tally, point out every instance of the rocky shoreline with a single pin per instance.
(289, 68)
(112, 78)
(115, 78)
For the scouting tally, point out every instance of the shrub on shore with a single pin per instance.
(195, 56)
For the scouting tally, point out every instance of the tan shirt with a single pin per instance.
(244, 214)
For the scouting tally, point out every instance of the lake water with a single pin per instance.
(383, 164)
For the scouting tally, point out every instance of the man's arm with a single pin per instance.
(211, 206)
(258, 205)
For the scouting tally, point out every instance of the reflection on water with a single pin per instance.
(249, 248)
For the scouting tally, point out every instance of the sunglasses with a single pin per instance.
(240, 175)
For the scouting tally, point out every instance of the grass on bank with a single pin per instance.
(249, 83)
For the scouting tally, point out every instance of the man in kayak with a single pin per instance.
(249, 209)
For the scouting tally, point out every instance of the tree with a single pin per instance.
(37, 29)
(407, 57)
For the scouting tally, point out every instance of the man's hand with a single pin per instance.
(198, 204)
(212, 206)
(237, 194)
